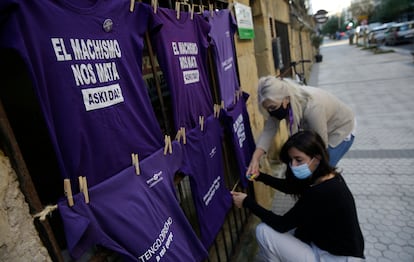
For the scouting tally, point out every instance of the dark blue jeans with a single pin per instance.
(336, 153)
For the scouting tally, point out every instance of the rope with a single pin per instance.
(48, 210)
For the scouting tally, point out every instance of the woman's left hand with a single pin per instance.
(238, 198)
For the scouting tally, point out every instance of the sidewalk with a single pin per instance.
(379, 168)
(405, 49)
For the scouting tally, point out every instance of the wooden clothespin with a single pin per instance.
(200, 8)
(237, 95)
(201, 122)
(68, 191)
(167, 146)
(211, 9)
(230, 5)
(137, 169)
(83, 187)
(217, 109)
(178, 135)
(184, 136)
(154, 4)
(178, 7)
(85, 190)
(203, 6)
(192, 12)
(132, 5)
(80, 180)
(135, 163)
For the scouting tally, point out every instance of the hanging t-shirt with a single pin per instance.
(181, 49)
(85, 65)
(203, 163)
(223, 28)
(137, 216)
(237, 122)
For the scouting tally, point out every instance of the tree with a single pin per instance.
(331, 26)
(362, 9)
(391, 10)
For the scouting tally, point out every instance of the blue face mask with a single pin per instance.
(301, 171)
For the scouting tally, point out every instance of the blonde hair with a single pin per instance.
(275, 89)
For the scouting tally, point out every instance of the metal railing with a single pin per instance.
(228, 238)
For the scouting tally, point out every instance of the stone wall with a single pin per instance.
(19, 239)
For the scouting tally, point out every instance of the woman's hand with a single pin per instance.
(238, 198)
(252, 176)
(254, 163)
(253, 168)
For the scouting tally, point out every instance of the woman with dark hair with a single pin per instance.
(323, 224)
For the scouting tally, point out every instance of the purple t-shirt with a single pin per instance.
(237, 121)
(203, 163)
(181, 49)
(137, 216)
(85, 65)
(223, 28)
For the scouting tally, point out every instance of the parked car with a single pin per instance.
(373, 25)
(361, 29)
(364, 30)
(400, 33)
(377, 35)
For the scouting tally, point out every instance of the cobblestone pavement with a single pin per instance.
(379, 168)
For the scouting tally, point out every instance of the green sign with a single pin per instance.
(244, 21)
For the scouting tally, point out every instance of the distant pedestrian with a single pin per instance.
(303, 107)
(323, 224)
(337, 35)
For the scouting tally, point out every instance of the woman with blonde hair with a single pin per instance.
(303, 107)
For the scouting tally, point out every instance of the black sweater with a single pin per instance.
(325, 214)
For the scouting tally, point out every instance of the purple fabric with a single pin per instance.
(94, 99)
(181, 49)
(136, 216)
(203, 163)
(237, 121)
(223, 28)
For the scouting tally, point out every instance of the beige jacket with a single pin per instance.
(324, 113)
